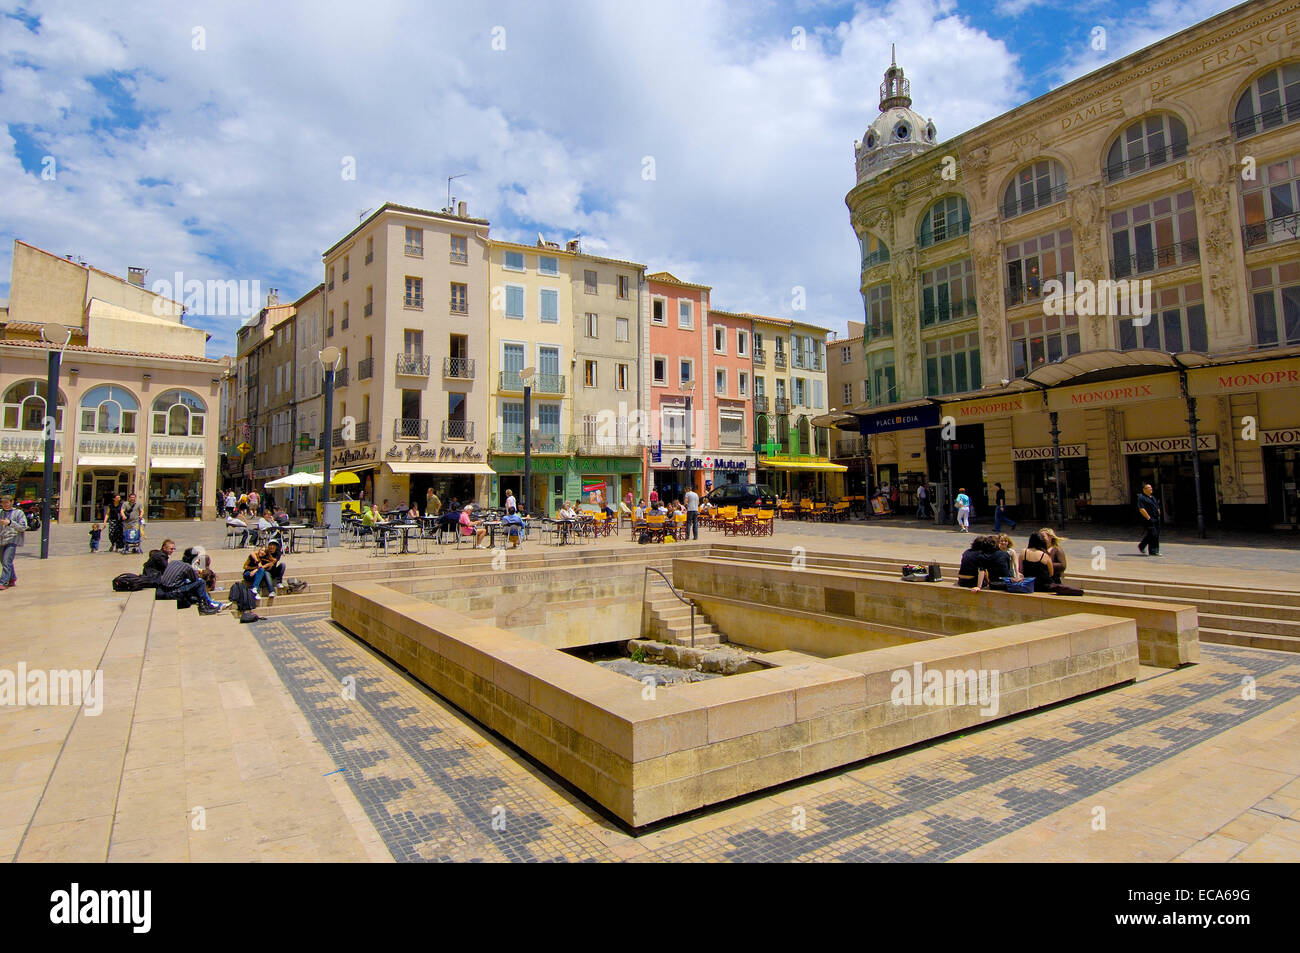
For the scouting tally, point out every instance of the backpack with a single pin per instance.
(242, 597)
(133, 582)
(294, 584)
(249, 616)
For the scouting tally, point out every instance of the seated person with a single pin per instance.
(156, 564)
(567, 512)
(513, 524)
(237, 523)
(266, 524)
(973, 571)
(413, 513)
(179, 581)
(638, 515)
(467, 527)
(1002, 563)
(1054, 550)
(1038, 565)
(259, 566)
(202, 566)
(281, 517)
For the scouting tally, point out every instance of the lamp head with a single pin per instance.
(330, 356)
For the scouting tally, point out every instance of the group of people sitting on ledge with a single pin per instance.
(190, 580)
(991, 562)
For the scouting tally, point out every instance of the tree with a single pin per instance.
(13, 466)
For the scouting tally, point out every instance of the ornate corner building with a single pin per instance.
(1100, 278)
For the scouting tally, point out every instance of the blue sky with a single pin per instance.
(209, 138)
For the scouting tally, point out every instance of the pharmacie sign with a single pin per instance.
(418, 451)
(1207, 441)
(1069, 451)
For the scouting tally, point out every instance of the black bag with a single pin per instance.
(133, 582)
(242, 597)
(935, 574)
(249, 616)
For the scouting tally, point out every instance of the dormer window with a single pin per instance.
(871, 140)
(901, 131)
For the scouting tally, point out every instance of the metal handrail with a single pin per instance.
(645, 596)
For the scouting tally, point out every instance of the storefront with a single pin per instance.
(800, 477)
(1281, 456)
(556, 479)
(364, 463)
(30, 485)
(176, 483)
(1035, 486)
(105, 466)
(1166, 463)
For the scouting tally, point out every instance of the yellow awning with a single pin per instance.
(824, 465)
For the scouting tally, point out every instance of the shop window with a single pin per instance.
(1176, 324)
(952, 365)
(948, 293)
(178, 413)
(108, 409)
(24, 407)
(1040, 340)
(1275, 304)
(1036, 260)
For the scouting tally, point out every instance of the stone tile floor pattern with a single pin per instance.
(438, 787)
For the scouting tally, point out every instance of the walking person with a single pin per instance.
(432, 505)
(1148, 508)
(922, 506)
(113, 523)
(963, 510)
(13, 524)
(1000, 510)
(231, 503)
(132, 517)
(693, 513)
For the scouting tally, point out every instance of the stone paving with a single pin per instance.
(253, 724)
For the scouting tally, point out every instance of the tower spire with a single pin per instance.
(895, 90)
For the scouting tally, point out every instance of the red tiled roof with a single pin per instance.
(42, 345)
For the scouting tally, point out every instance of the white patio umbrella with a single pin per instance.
(296, 479)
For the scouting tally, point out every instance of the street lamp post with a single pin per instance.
(526, 377)
(331, 513)
(50, 332)
(687, 388)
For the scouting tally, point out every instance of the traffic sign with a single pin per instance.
(243, 448)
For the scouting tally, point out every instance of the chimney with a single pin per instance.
(273, 297)
(572, 245)
(462, 210)
(135, 275)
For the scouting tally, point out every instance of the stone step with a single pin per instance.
(1248, 624)
(1279, 643)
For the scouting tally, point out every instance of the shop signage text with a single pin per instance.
(1207, 441)
(176, 448)
(1279, 438)
(270, 473)
(28, 445)
(1258, 379)
(708, 463)
(354, 455)
(1069, 451)
(985, 408)
(901, 420)
(114, 447)
(417, 451)
(1248, 45)
(514, 464)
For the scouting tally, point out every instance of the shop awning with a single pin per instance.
(176, 463)
(106, 461)
(443, 468)
(824, 465)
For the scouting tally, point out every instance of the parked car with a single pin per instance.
(744, 495)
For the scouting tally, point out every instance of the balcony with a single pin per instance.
(760, 403)
(459, 368)
(944, 232)
(414, 251)
(458, 430)
(361, 435)
(411, 428)
(760, 357)
(416, 365)
(1144, 161)
(849, 448)
(459, 305)
(542, 383)
(955, 311)
(368, 310)
(459, 257)
(1268, 119)
(879, 329)
(880, 257)
(541, 443)
(1041, 199)
(345, 275)
(1281, 229)
(782, 406)
(732, 441)
(593, 445)
(344, 324)
(363, 432)
(1032, 290)
(415, 301)
(370, 256)
(1156, 259)
(778, 360)
(365, 368)
(341, 377)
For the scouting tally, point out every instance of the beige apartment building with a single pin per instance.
(1068, 282)
(133, 373)
(266, 350)
(406, 302)
(309, 374)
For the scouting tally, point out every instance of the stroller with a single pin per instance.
(131, 541)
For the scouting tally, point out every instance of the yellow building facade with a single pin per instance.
(1079, 279)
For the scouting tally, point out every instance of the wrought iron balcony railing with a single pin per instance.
(460, 368)
(370, 256)
(542, 383)
(365, 368)
(778, 360)
(781, 405)
(933, 236)
(414, 301)
(760, 403)
(541, 443)
(1281, 229)
(1144, 161)
(955, 311)
(459, 304)
(458, 430)
(880, 257)
(410, 428)
(760, 357)
(1040, 199)
(415, 251)
(368, 310)
(1030, 290)
(341, 377)
(1156, 259)
(416, 365)
(1268, 119)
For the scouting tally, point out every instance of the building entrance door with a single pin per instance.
(1175, 487)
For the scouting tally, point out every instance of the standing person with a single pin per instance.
(963, 510)
(693, 513)
(432, 505)
(654, 499)
(132, 514)
(113, 523)
(511, 505)
(1148, 508)
(922, 496)
(231, 502)
(1000, 510)
(13, 524)
(253, 501)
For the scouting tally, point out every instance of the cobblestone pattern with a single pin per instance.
(433, 782)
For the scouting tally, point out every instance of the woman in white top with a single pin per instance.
(511, 505)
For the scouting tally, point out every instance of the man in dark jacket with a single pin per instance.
(157, 561)
(1149, 512)
(179, 581)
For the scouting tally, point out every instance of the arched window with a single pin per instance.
(947, 218)
(24, 407)
(874, 251)
(1271, 100)
(764, 430)
(1145, 144)
(805, 435)
(108, 409)
(1037, 185)
(178, 413)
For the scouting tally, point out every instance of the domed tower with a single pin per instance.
(898, 132)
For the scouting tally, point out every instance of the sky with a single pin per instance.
(709, 138)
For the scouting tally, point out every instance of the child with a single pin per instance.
(94, 538)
